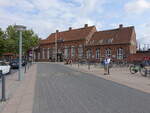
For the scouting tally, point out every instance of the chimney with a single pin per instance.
(70, 28)
(120, 26)
(86, 25)
(57, 31)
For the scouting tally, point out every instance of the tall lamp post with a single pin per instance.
(20, 28)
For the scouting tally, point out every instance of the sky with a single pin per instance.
(45, 16)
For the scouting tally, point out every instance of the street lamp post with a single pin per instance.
(20, 28)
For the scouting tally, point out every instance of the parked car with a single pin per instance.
(5, 67)
(15, 63)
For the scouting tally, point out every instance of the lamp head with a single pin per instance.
(20, 27)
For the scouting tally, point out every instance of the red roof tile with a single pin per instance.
(115, 36)
(70, 35)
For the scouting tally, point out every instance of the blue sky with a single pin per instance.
(45, 16)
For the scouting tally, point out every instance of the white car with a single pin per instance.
(5, 67)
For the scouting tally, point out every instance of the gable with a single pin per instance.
(115, 36)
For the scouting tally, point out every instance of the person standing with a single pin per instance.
(106, 66)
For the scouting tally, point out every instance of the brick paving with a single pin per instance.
(21, 98)
(120, 75)
(59, 89)
(63, 90)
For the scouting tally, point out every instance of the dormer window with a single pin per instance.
(100, 41)
(60, 40)
(108, 41)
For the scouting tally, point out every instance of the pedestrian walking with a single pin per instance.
(106, 66)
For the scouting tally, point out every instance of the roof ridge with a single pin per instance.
(115, 29)
(75, 29)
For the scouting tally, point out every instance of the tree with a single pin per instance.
(30, 39)
(2, 42)
(9, 41)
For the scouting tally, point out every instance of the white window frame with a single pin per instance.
(66, 52)
(73, 50)
(80, 51)
(108, 52)
(120, 53)
(97, 53)
(89, 53)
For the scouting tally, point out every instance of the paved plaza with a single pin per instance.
(55, 88)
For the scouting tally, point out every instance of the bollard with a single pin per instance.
(3, 86)
(78, 64)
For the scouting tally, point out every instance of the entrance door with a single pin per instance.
(60, 57)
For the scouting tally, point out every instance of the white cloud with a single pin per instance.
(18, 4)
(137, 6)
(144, 35)
(4, 3)
(45, 16)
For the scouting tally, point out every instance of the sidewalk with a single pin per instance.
(21, 96)
(120, 75)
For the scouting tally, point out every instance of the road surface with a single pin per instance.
(63, 90)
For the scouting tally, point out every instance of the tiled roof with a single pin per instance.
(115, 36)
(70, 35)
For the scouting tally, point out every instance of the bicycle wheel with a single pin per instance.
(143, 72)
(132, 69)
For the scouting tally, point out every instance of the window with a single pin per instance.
(43, 56)
(89, 53)
(97, 53)
(108, 52)
(44, 53)
(66, 52)
(119, 53)
(38, 55)
(72, 51)
(100, 41)
(3, 64)
(80, 51)
(53, 52)
(108, 41)
(48, 53)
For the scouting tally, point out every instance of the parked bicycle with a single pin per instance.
(134, 68)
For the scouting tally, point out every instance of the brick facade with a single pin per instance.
(87, 43)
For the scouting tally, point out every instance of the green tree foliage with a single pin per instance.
(9, 41)
(2, 42)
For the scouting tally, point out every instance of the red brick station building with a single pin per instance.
(87, 43)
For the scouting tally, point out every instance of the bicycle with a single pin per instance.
(138, 68)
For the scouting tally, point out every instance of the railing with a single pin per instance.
(90, 64)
